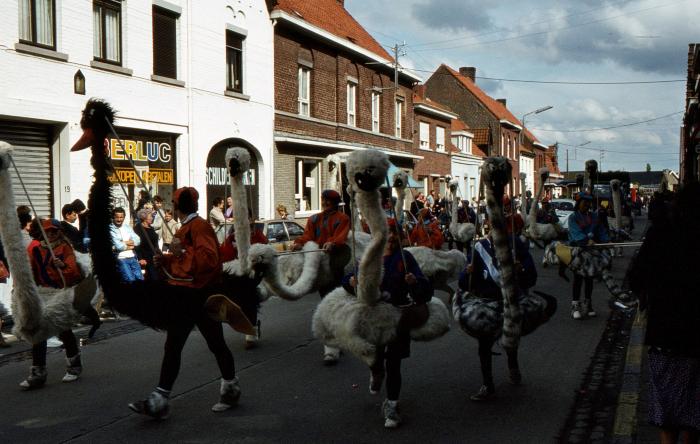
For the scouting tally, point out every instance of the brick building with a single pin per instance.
(334, 93)
(496, 130)
(433, 137)
(532, 158)
(690, 131)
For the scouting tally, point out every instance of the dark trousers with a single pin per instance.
(578, 282)
(175, 342)
(389, 358)
(338, 258)
(70, 343)
(486, 360)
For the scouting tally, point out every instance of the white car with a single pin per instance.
(563, 208)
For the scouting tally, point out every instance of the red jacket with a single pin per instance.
(332, 226)
(200, 259)
(427, 235)
(45, 272)
(228, 250)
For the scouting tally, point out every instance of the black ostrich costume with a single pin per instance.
(156, 304)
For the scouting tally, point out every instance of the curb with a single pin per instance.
(625, 427)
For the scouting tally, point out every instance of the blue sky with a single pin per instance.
(564, 40)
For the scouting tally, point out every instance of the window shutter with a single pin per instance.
(164, 43)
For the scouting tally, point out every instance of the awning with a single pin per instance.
(393, 169)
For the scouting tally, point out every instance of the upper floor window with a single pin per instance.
(37, 23)
(304, 78)
(107, 25)
(502, 148)
(376, 101)
(424, 131)
(439, 138)
(234, 61)
(398, 117)
(164, 43)
(352, 103)
(467, 145)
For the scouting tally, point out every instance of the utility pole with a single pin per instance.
(398, 52)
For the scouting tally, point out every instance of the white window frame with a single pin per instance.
(439, 136)
(424, 136)
(398, 117)
(376, 110)
(301, 184)
(351, 99)
(304, 78)
(502, 149)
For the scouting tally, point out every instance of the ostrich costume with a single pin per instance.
(363, 323)
(461, 232)
(39, 312)
(484, 318)
(586, 262)
(619, 223)
(536, 231)
(523, 198)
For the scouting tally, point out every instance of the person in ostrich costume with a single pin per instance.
(494, 301)
(361, 322)
(41, 311)
(175, 305)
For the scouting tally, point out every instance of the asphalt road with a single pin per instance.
(289, 396)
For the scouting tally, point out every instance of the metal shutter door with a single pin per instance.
(32, 155)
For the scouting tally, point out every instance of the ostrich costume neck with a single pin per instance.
(617, 221)
(496, 173)
(523, 198)
(363, 323)
(238, 162)
(537, 231)
(462, 232)
(153, 303)
(590, 172)
(39, 312)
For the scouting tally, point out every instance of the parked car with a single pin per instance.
(563, 208)
(280, 232)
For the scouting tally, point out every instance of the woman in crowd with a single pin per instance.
(148, 247)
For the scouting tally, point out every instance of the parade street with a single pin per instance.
(290, 396)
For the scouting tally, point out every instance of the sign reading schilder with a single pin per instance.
(220, 176)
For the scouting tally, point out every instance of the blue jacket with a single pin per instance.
(394, 286)
(485, 276)
(583, 227)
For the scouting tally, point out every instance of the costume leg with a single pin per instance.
(377, 372)
(37, 373)
(393, 378)
(74, 365)
(69, 342)
(578, 282)
(588, 288)
(513, 367)
(486, 361)
(39, 354)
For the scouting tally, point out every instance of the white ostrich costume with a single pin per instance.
(39, 312)
(440, 267)
(360, 324)
(541, 232)
(461, 232)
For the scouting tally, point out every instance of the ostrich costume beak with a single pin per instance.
(98, 116)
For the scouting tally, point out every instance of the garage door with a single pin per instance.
(32, 155)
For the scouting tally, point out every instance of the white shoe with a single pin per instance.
(229, 393)
(576, 310)
(390, 409)
(53, 342)
(588, 309)
(331, 355)
(74, 367)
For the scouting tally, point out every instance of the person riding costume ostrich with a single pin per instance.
(538, 231)
(507, 311)
(173, 307)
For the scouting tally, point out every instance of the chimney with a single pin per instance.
(419, 91)
(502, 102)
(342, 3)
(469, 72)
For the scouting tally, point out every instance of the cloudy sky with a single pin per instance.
(562, 40)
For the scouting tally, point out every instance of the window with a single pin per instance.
(424, 131)
(439, 138)
(304, 78)
(502, 148)
(308, 185)
(398, 116)
(37, 23)
(234, 61)
(164, 43)
(467, 145)
(107, 38)
(352, 104)
(276, 233)
(472, 186)
(294, 230)
(376, 101)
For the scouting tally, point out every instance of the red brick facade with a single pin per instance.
(435, 165)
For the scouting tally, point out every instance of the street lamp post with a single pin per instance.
(574, 146)
(520, 136)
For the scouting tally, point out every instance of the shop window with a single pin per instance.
(376, 101)
(308, 185)
(424, 130)
(164, 43)
(107, 24)
(398, 116)
(37, 23)
(304, 78)
(439, 138)
(234, 61)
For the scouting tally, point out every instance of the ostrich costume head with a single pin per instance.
(591, 170)
(453, 184)
(97, 117)
(496, 172)
(544, 175)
